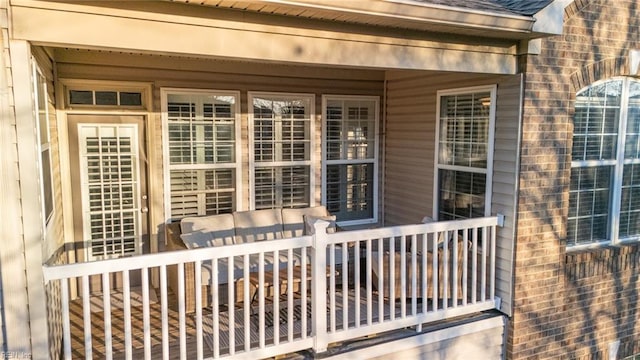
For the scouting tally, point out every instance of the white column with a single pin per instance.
(319, 286)
(31, 206)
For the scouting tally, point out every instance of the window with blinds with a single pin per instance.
(350, 157)
(464, 152)
(604, 194)
(201, 135)
(281, 150)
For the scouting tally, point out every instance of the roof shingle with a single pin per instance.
(513, 7)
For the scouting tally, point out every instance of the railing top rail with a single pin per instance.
(403, 230)
(57, 272)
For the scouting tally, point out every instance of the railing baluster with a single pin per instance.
(332, 288)
(474, 267)
(289, 296)
(356, 280)
(146, 322)
(414, 275)
(403, 276)
(392, 278)
(66, 324)
(380, 280)
(368, 284)
(231, 305)
(423, 267)
(198, 289)
(465, 265)
(275, 285)
(492, 276)
(303, 291)
(345, 286)
(106, 305)
(454, 270)
(246, 302)
(165, 312)
(434, 269)
(86, 314)
(127, 314)
(261, 306)
(445, 269)
(483, 280)
(215, 308)
(181, 312)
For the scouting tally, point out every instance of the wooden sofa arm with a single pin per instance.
(174, 243)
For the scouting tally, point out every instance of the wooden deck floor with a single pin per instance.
(118, 326)
(137, 328)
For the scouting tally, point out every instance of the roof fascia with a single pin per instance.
(422, 12)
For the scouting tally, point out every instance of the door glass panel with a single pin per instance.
(110, 189)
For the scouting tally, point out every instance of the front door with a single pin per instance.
(109, 185)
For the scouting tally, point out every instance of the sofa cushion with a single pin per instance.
(257, 225)
(310, 220)
(293, 219)
(204, 231)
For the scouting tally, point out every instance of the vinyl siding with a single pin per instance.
(8, 168)
(409, 154)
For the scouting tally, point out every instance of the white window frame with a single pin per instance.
(237, 165)
(253, 165)
(43, 144)
(488, 171)
(374, 160)
(617, 165)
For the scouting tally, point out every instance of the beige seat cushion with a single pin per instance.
(293, 219)
(205, 231)
(258, 225)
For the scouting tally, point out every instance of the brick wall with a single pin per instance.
(570, 304)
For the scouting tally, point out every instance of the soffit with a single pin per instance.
(504, 19)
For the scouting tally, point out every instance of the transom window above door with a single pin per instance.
(201, 132)
(281, 150)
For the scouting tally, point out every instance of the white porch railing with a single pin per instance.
(325, 288)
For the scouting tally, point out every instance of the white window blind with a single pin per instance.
(201, 135)
(110, 190)
(350, 157)
(464, 152)
(604, 195)
(281, 146)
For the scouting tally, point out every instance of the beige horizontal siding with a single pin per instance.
(410, 137)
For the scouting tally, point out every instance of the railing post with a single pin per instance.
(319, 286)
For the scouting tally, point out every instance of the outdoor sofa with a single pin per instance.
(236, 228)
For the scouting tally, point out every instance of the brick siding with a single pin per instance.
(570, 305)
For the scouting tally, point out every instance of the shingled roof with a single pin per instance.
(513, 7)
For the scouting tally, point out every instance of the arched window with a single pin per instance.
(604, 202)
